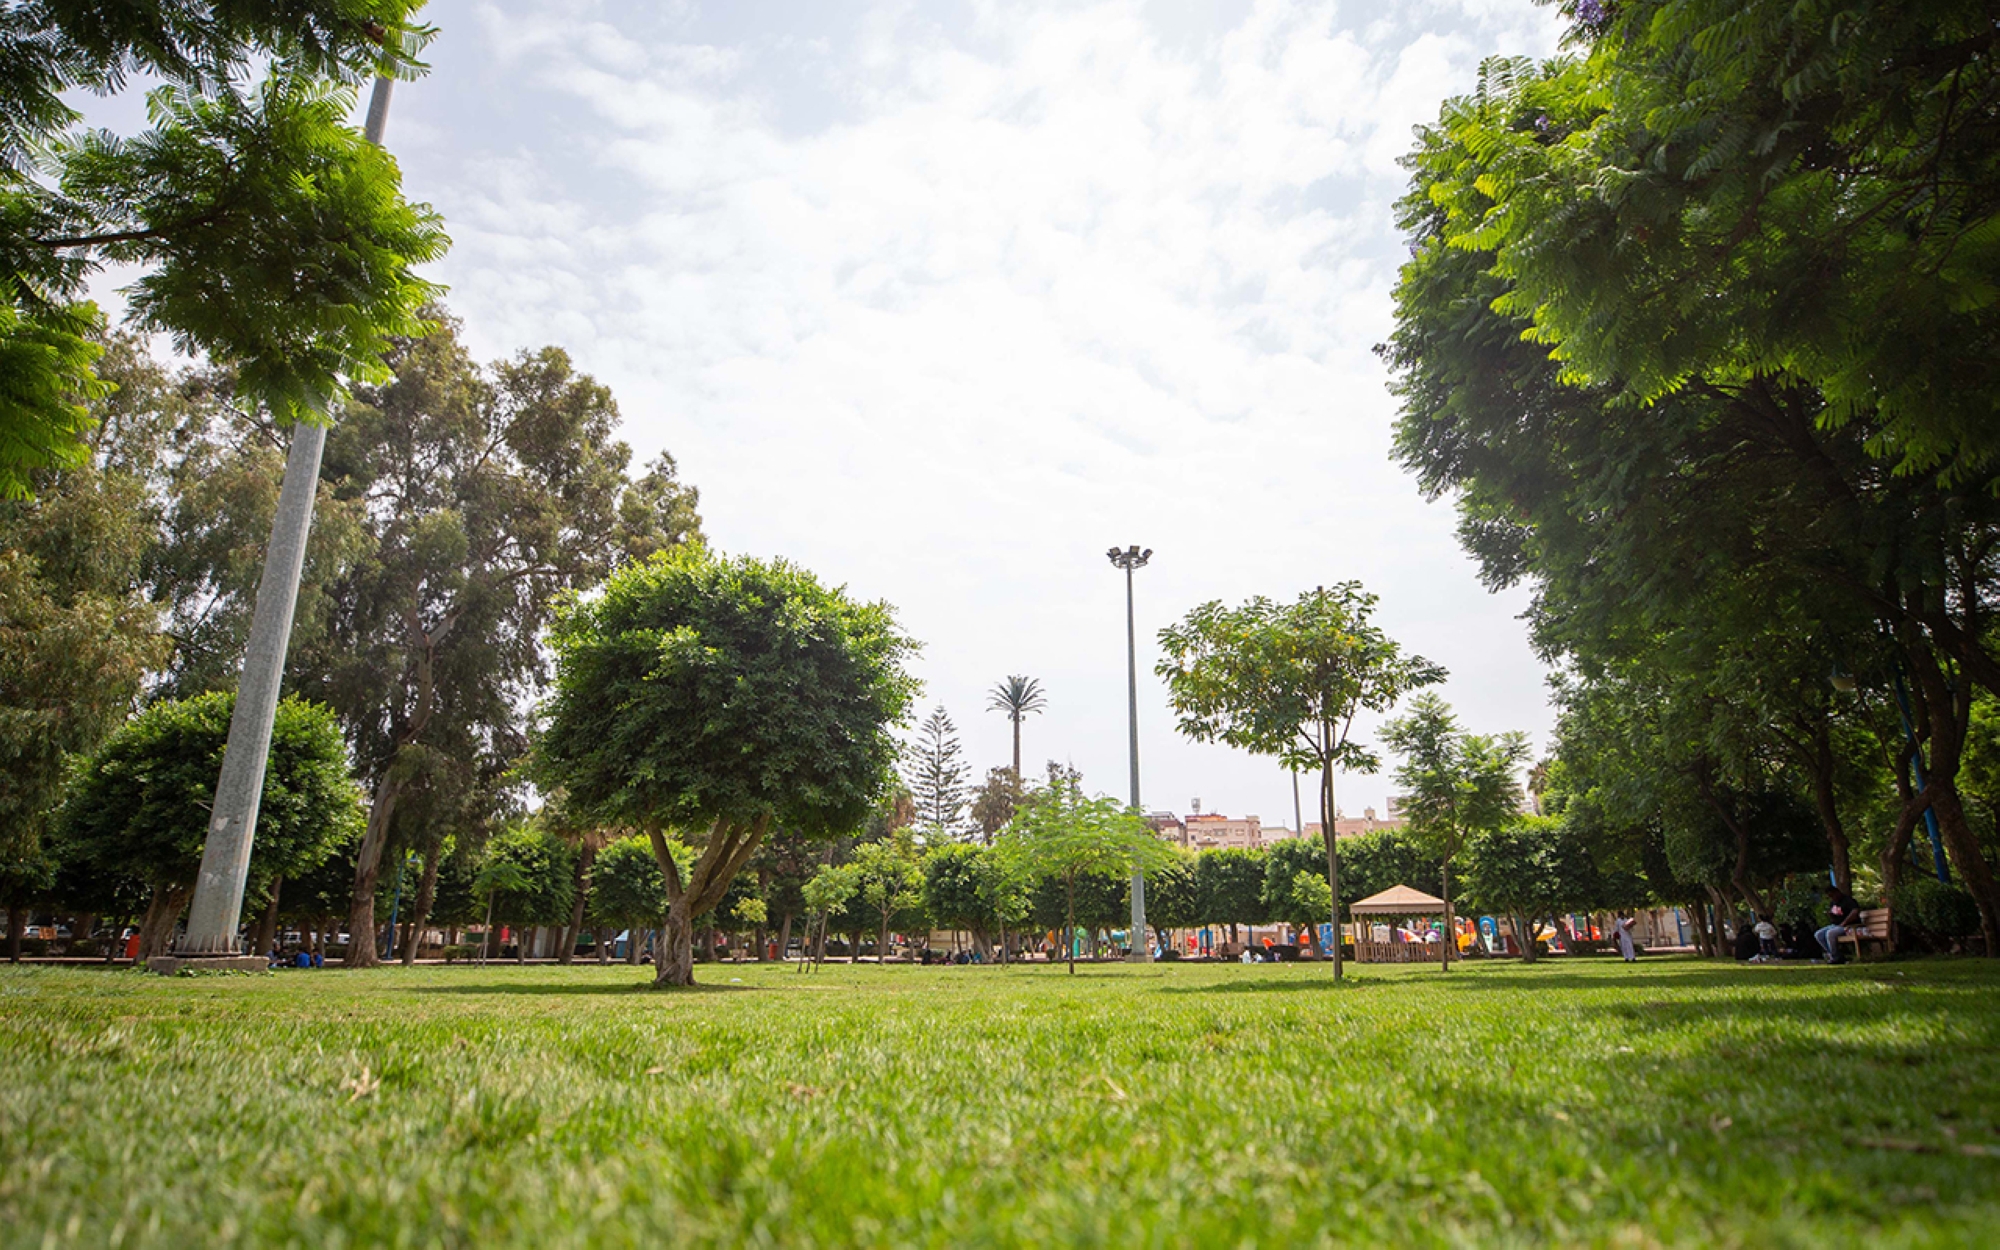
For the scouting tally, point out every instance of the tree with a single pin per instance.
(627, 890)
(1528, 869)
(1018, 696)
(1229, 882)
(1060, 835)
(140, 810)
(536, 870)
(76, 642)
(953, 895)
(993, 804)
(719, 697)
(1288, 680)
(270, 236)
(1664, 329)
(1173, 897)
(484, 495)
(1457, 785)
(937, 774)
(829, 891)
(890, 881)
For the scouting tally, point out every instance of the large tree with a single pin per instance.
(718, 698)
(1060, 835)
(266, 233)
(1456, 785)
(1288, 680)
(484, 494)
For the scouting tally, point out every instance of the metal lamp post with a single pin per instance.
(1131, 558)
(217, 908)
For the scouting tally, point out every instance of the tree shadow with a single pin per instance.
(542, 989)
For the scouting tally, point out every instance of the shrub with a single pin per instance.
(1938, 909)
(466, 951)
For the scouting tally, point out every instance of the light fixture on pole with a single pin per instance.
(1131, 558)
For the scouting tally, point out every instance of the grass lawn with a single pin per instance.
(1590, 1102)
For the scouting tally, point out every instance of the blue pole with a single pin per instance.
(1917, 769)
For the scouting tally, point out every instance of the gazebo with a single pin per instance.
(1397, 901)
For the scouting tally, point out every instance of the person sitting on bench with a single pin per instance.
(1846, 913)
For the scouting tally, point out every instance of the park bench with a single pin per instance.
(1874, 927)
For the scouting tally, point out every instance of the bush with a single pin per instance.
(33, 947)
(86, 948)
(466, 951)
(1936, 908)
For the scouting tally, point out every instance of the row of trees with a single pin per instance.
(457, 503)
(1699, 329)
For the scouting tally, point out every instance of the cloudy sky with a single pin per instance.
(942, 300)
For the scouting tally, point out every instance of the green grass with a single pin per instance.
(1592, 1103)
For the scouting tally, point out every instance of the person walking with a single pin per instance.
(1621, 932)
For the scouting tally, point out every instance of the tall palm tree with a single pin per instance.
(1017, 696)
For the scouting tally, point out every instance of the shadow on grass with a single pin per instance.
(544, 989)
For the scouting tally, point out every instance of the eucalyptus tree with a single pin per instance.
(717, 699)
(482, 494)
(937, 773)
(1288, 680)
(1456, 784)
(265, 233)
(1018, 697)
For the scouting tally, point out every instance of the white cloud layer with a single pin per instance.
(943, 301)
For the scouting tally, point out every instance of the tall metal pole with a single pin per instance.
(1129, 559)
(232, 824)
(1298, 816)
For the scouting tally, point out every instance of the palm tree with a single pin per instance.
(1017, 696)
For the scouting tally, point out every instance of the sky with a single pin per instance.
(943, 300)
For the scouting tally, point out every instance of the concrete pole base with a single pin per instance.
(171, 965)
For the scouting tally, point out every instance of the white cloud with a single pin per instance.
(943, 306)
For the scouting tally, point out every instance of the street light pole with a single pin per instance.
(1129, 559)
(217, 908)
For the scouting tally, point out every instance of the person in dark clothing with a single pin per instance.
(1845, 914)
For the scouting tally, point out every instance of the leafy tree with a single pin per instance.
(1307, 898)
(937, 774)
(890, 881)
(952, 895)
(1018, 697)
(1229, 882)
(1458, 784)
(1173, 896)
(1060, 835)
(140, 810)
(718, 698)
(533, 881)
(828, 893)
(270, 236)
(1005, 892)
(1528, 869)
(1288, 680)
(994, 803)
(1373, 862)
(1638, 339)
(484, 495)
(627, 889)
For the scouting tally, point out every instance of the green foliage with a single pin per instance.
(1455, 784)
(698, 689)
(1060, 834)
(268, 234)
(1173, 894)
(140, 810)
(627, 888)
(1533, 867)
(1925, 903)
(890, 879)
(530, 875)
(1229, 883)
(1372, 862)
(937, 773)
(1286, 680)
(954, 877)
(1309, 898)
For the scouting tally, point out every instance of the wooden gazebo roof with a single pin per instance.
(1398, 900)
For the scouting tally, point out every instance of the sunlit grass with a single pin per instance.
(1589, 1102)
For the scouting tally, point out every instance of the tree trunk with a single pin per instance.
(882, 941)
(1524, 930)
(1828, 807)
(1450, 931)
(1332, 855)
(523, 940)
(1069, 927)
(574, 930)
(156, 931)
(674, 965)
(1968, 861)
(784, 936)
(420, 910)
(368, 872)
(267, 928)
